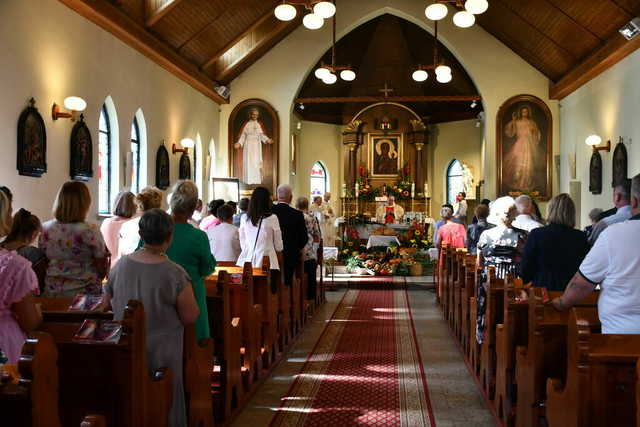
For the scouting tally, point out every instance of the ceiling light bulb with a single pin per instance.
(436, 11)
(593, 140)
(285, 12)
(464, 19)
(324, 9)
(476, 6)
(313, 21)
(473, 104)
(330, 79)
(188, 143)
(443, 69)
(75, 103)
(322, 72)
(444, 78)
(420, 75)
(348, 75)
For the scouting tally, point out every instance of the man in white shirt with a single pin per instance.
(224, 239)
(524, 220)
(614, 264)
(622, 202)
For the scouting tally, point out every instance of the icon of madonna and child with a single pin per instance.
(524, 144)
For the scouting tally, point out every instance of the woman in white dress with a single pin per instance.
(260, 233)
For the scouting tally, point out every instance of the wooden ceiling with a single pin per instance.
(209, 41)
(386, 51)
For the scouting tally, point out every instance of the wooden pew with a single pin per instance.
(244, 307)
(466, 293)
(197, 357)
(638, 393)
(599, 389)
(227, 335)
(542, 357)
(458, 285)
(493, 316)
(33, 402)
(510, 333)
(111, 380)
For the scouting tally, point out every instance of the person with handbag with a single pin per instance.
(260, 233)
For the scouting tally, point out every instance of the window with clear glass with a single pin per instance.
(104, 162)
(318, 180)
(454, 180)
(135, 151)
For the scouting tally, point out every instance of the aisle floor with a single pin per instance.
(454, 395)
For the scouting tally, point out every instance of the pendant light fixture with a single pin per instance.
(464, 18)
(318, 11)
(442, 71)
(328, 73)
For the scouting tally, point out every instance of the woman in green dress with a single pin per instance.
(190, 248)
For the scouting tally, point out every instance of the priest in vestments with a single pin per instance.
(251, 139)
(323, 211)
(389, 213)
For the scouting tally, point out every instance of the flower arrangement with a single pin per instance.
(366, 192)
(401, 190)
(416, 237)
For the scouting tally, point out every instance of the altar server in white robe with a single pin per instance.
(251, 138)
(323, 211)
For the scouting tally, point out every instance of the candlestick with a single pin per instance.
(344, 190)
(426, 190)
(413, 190)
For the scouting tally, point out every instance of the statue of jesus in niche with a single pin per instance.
(251, 138)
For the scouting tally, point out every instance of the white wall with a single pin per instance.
(606, 106)
(496, 70)
(49, 52)
(460, 140)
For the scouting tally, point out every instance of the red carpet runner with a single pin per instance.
(365, 369)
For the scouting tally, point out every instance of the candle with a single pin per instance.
(413, 190)
(357, 190)
(344, 190)
(426, 189)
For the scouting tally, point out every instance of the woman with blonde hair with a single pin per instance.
(78, 256)
(500, 247)
(553, 253)
(129, 237)
(123, 209)
(19, 315)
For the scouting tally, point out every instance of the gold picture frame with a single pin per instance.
(381, 164)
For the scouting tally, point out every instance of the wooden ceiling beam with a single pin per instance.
(112, 19)
(161, 12)
(276, 30)
(366, 99)
(612, 52)
(236, 40)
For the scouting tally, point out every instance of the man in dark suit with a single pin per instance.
(294, 231)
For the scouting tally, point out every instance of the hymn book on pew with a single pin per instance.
(99, 332)
(82, 302)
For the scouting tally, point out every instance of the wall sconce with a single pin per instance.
(594, 141)
(75, 104)
(186, 144)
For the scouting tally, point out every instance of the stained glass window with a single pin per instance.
(318, 180)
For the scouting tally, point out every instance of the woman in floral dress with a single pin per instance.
(78, 256)
(500, 247)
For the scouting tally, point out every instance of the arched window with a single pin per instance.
(454, 180)
(104, 162)
(199, 160)
(212, 168)
(135, 156)
(319, 180)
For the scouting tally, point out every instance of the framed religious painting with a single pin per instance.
(184, 171)
(162, 168)
(620, 163)
(81, 166)
(595, 173)
(254, 141)
(32, 142)
(385, 155)
(524, 147)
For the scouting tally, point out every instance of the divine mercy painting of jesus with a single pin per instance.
(523, 139)
(253, 144)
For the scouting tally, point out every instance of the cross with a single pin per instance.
(386, 90)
